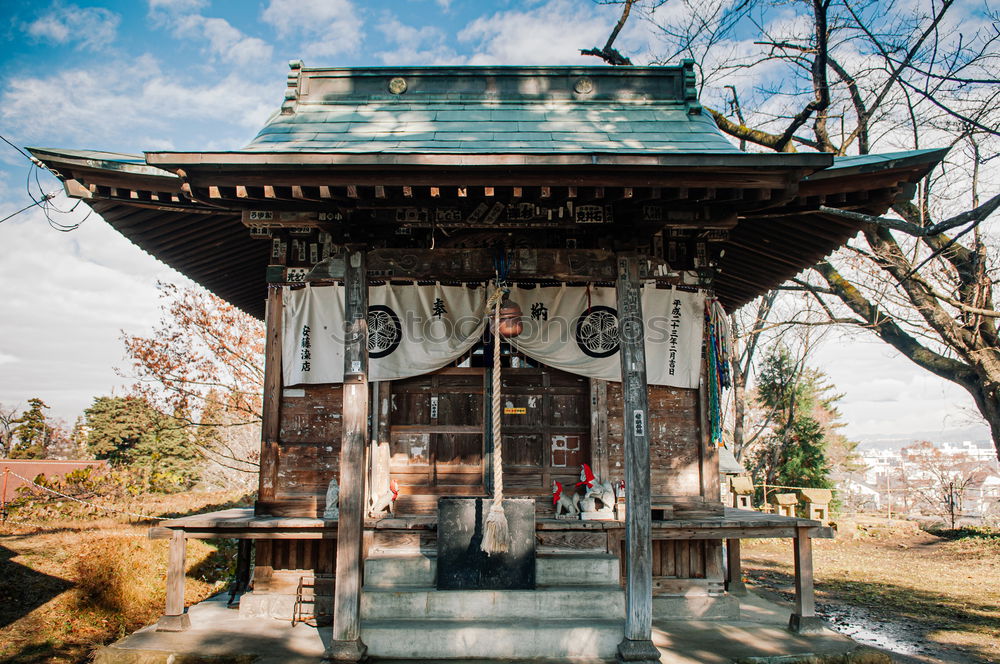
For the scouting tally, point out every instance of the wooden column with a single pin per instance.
(637, 646)
(734, 568)
(599, 428)
(174, 619)
(244, 549)
(378, 456)
(271, 415)
(714, 570)
(708, 455)
(346, 645)
(804, 619)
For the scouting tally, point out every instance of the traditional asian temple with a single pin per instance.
(370, 223)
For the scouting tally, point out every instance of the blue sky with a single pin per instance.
(134, 75)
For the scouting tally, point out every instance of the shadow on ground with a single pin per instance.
(22, 589)
(896, 618)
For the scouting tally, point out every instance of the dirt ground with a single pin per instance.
(923, 597)
(73, 580)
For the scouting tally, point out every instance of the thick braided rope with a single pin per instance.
(495, 531)
(497, 440)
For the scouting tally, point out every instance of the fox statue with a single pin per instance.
(386, 501)
(566, 505)
(595, 491)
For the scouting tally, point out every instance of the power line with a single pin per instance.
(23, 153)
(44, 198)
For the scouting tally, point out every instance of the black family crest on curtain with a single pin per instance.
(597, 331)
(384, 331)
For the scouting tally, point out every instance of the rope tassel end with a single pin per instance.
(495, 533)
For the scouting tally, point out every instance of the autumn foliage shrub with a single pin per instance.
(123, 578)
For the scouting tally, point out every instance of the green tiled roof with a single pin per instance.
(498, 110)
(871, 163)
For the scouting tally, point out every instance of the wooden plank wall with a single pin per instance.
(308, 450)
(675, 442)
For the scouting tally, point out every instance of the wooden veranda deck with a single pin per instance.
(732, 526)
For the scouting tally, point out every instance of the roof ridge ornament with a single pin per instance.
(690, 82)
(397, 85)
(292, 91)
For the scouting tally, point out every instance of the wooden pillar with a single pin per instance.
(378, 456)
(804, 619)
(708, 454)
(714, 569)
(600, 461)
(346, 645)
(244, 551)
(637, 646)
(734, 568)
(174, 619)
(271, 407)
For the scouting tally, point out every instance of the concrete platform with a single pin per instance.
(219, 636)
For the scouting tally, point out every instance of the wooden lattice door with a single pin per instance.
(436, 433)
(546, 429)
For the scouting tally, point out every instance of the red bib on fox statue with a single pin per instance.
(586, 477)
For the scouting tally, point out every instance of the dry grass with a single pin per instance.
(942, 593)
(71, 582)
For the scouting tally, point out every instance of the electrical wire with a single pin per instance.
(40, 198)
(23, 153)
(26, 207)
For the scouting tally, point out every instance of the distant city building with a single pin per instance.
(926, 479)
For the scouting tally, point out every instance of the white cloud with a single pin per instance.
(224, 41)
(884, 393)
(120, 102)
(538, 36)
(325, 27)
(69, 295)
(90, 27)
(415, 46)
(183, 6)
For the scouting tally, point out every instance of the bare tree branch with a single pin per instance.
(976, 215)
(609, 54)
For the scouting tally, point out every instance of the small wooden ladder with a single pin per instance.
(305, 594)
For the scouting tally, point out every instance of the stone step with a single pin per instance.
(395, 571)
(576, 569)
(561, 640)
(419, 570)
(597, 602)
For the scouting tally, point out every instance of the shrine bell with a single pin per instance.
(510, 319)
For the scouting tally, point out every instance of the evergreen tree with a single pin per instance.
(32, 432)
(128, 431)
(794, 449)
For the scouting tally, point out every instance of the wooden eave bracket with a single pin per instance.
(75, 189)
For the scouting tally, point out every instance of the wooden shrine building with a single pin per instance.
(378, 208)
